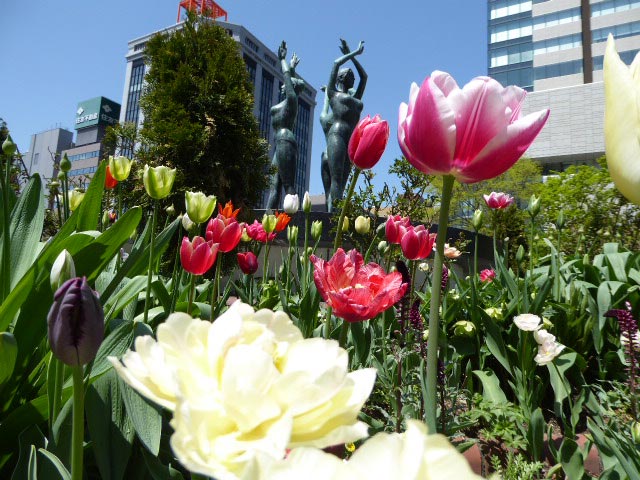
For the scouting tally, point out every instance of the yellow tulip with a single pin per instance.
(120, 167)
(199, 206)
(622, 121)
(75, 199)
(158, 181)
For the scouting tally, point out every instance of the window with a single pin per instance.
(612, 6)
(558, 69)
(251, 68)
(503, 8)
(510, 30)
(618, 31)
(136, 83)
(557, 18)
(510, 55)
(558, 43)
(266, 96)
(36, 158)
(627, 57)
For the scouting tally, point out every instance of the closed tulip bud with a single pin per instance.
(383, 247)
(199, 206)
(316, 229)
(171, 210)
(62, 270)
(53, 185)
(520, 254)
(75, 323)
(292, 234)
(61, 175)
(635, 432)
(534, 206)
(269, 223)
(464, 328)
(105, 219)
(306, 202)
(8, 147)
(363, 225)
(291, 204)
(248, 262)
(476, 220)
(65, 164)
(75, 199)
(120, 167)
(560, 222)
(158, 181)
(245, 236)
(368, 141)
(345, 224)
(188, 224)
(380, 229)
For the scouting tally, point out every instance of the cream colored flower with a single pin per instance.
(451, 252)
(622, 121)
(247, 385)
(547, 351)
(527, 322)
(494, 312)
(412, 455)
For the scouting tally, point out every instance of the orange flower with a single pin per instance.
(283, 221)
(109, 181)
(228, 211)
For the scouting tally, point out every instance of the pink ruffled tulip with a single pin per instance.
(487, 275)
(355, 291)
(474, 133)
(498, 200)
(225, 231)
(417, 243)
(256, 232)
(396, 227)
(368, 141)
(197, 256)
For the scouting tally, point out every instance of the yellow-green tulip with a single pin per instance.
(75, 199)
(120, 167)
(158, 181)
(269, 222)
(622, 121)
(363, 225)
(199, 206)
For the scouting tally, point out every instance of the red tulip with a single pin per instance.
(228, 212)
(474, 133)
(224, 231)
(417, 243)
(368, 141)
(256, 232)
(197, 256)
(282, 221)
(487, 275)
(498, 200)
(248, 262)
(109, 181)
(396, 227)
(356, 291)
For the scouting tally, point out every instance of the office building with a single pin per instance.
(93, 116)
(265, 74)
(45, 150)
(555, 49)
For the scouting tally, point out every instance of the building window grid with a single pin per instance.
(510, 30)
(135, 89)
(511, 54)
(251, 68)
(613, 6)
(504, 8)
(575, 66)
(557, 18)
(266, 95)
(82, 171)
(84, 156)
(619, 31)
(559, 43)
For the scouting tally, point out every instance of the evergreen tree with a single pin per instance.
(198, 115)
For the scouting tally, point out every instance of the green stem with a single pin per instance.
(265, 264)
(434, 317)
(6, 241)
(150, 269)
(344, 331)
(65, 193)
(327, 323)
(345, 205)
(57, 389)
(192, 289)
(305, 257)
(77, 435)
(215, 288)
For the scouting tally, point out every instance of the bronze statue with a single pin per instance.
(339, 117)
(283, 121)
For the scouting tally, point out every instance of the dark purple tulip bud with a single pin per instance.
(76, 323)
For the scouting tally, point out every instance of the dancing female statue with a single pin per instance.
(346, 105)
(283, 121)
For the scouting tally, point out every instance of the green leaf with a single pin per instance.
(126, 294)
(560, 384)
(114, 345)
(89, 211)
(572, 459)
(535, 434)
(109, 426)
(27, 219)
(29, 438)
(495, 343)
(146, 419)
(491, 390)
(55, 463)
(8, 354)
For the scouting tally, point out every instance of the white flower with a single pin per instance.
(527, 322)
(547, 351)
(412, 455)
(543, 336)
(306, 202)
(245, 386)
(291, 204)
(62, 270)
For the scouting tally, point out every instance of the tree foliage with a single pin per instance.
(198, 114)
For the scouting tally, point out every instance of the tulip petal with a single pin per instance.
(504, 149)
(430, 131)
(621, 120)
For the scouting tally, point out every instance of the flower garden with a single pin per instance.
(402, 359)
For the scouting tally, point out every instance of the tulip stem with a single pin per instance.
(434, 312)
(192, 289)
(215, 287)
(344, 331)
(152, 233)
(77, 435)
(345, 205)
(6, 243)
(305, 256)
(65, 194)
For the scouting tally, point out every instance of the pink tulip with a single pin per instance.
(498, 200)
(487, 275)
(417, 243)
(474, 133)
(197, 256)
(256, 232)
(225, 231)
(368, 141)
(396, 227)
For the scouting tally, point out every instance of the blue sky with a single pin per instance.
(55, 54)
